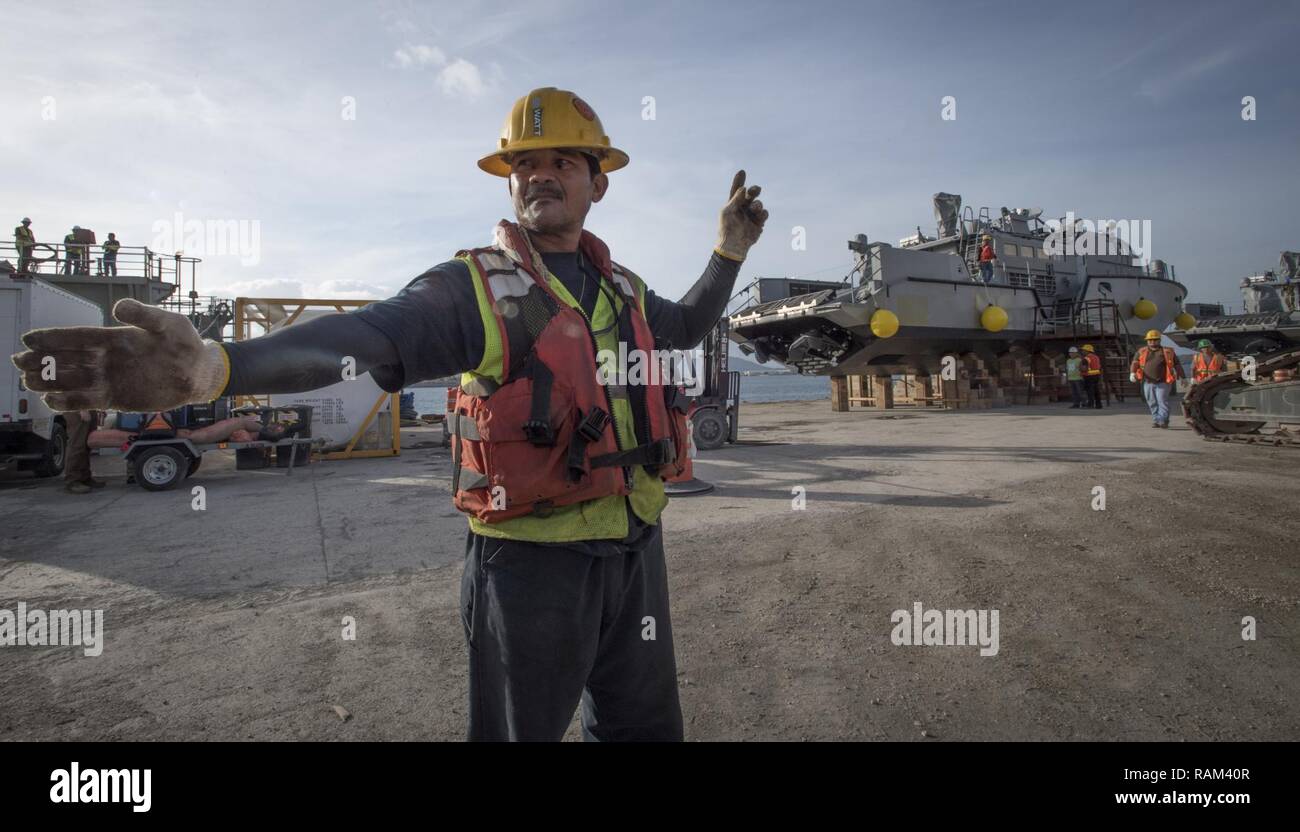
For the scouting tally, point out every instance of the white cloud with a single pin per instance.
(419, 55)
(264, 288)
(1163, 86)
(462, 78)
(351, 290)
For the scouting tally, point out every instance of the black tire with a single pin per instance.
(56, 453)
(159, 468)
(710, 429)
(194, 466)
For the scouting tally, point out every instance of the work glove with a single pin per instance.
(741, 221)
(1133, 377)
(156, 362)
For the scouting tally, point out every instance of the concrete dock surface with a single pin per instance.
(1118, 624)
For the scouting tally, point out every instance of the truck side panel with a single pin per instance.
(35, 305)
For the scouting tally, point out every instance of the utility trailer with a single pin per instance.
(33, 437)
(159, 458)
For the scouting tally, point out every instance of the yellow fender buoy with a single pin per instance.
(1144, 309)
(884, 324)
(1184, 320)
(993, 318)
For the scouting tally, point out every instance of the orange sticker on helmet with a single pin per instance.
(583, 110)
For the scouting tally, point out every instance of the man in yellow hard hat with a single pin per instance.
(1158, 369)
(558, 464)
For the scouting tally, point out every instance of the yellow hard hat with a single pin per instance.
(1151, 333)
(1087, 348)
(551, 118)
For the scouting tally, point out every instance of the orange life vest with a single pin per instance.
(1092, 364)
(1170, 358)
(1202, 370)
(545, 436)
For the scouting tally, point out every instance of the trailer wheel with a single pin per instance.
(51, 464)
(710, 430)
(160, 468)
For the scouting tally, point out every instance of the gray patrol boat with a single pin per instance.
(902, 308)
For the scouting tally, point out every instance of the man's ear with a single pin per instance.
(598, 187)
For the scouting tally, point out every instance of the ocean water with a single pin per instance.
(782, 388)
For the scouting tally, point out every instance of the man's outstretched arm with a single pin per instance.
(158, 361)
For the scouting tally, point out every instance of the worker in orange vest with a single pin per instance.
(986, 259)
(1158, 369)
(1092, 377)
(1208, 361)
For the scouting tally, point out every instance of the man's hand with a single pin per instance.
(742, 220)
(158, 362)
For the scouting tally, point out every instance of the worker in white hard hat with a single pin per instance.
(1074, 377)
(564, 597)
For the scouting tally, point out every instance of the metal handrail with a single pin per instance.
(88, 260)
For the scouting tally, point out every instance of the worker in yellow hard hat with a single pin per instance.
(1091, 377)
(557, 461)
(1158, 369)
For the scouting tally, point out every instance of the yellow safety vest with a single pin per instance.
(598, 519)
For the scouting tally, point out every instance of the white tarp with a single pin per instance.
(339, 410)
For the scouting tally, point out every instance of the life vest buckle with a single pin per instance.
(539, 432)
(593, 424)
(660, 452)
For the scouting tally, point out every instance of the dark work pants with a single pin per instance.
(76, 457)
(1076, 392)
(552, 626)
(1093, 386)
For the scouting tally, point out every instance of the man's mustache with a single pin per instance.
(543, 190)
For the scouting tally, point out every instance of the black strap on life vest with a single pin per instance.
(636, 393)
(588, 431)
(525, 318)
(652, 455)
(538, 428)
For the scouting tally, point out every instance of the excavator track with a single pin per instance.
(1198, 406)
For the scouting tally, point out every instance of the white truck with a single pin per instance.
(32, 437)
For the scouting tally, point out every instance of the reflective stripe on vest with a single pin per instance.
(1201, 370)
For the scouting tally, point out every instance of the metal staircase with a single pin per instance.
(1096, 321)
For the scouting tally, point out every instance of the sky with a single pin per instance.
(119, 116)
